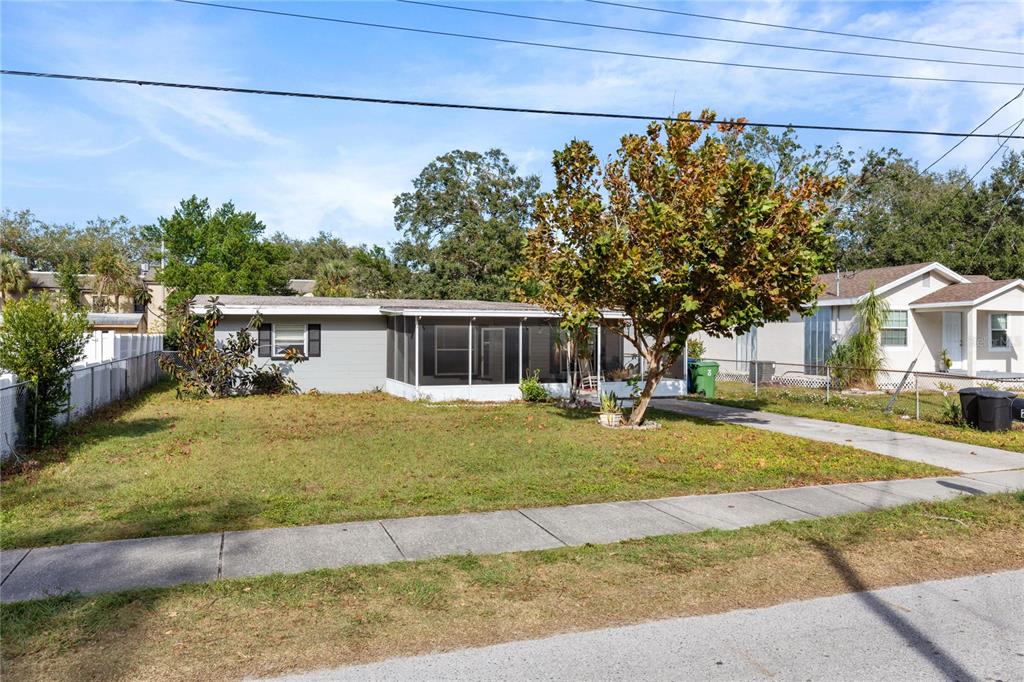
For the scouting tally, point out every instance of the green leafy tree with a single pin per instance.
(204, 368)
(68, 283)
(680, 234)
(13, 277)
(464, 224)
(40, 340)
(893, 214)
(46, 245)
(218, 252)
(306, 256)
(374, 274)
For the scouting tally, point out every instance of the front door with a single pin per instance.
(952, 338)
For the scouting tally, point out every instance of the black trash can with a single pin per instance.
(994, 410)
(691, 375)
(969, 404)
(1017, 409)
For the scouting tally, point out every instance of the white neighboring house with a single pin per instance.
(979, 322)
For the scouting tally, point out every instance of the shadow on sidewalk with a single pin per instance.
(942, 661)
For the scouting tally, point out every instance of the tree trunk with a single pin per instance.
(636, 417)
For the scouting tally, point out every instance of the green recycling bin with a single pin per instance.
(704, 372)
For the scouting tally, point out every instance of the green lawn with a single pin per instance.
(165, 466)
(276, 624)
(865, 410)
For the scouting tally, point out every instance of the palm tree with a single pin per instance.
(114, 277)
(13, 276)
(332, 279)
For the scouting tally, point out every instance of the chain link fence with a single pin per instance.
(828, 383)
(92, 387)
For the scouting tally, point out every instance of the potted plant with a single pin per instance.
(610, 413)
(945, 362)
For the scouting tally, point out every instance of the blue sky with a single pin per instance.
(74, 151)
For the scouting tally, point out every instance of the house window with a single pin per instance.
(289, 335)
(998, 331)
(444, 352)
(451, 355)
(894, 329)
(817, 340)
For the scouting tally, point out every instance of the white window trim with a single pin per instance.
(882, 331)
(274, 355)
(999, 349)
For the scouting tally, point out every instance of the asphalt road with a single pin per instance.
(963, 629)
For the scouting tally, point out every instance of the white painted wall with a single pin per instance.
(1012, 359)
(352, 352)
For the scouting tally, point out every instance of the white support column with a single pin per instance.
(469, 374)
(971, 340)
(598, 360)
(416, 349)
(522, 348)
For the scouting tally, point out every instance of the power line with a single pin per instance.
(592, 50)
(1009, 126)
(479, 107)
(990, 117)
(992, 155)
(947, 204)
(992, 223)
(801, 28)
(610, 27)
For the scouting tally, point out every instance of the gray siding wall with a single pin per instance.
(352, 356)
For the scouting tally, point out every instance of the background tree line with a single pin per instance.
(462, 227)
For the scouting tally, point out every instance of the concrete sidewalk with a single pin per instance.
(960, 629)
(935, 451)
(163, 561)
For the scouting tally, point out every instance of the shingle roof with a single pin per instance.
(857, 283)
(395, 304)
(46, 279)
(963, 293)
(978, 278)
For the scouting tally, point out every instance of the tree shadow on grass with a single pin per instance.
(104, 423)
(100, 430)
(181, 515)
(30, 629)
(913, 637)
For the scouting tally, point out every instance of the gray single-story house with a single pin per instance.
(437, 350)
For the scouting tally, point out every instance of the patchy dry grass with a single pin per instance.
(866, 410)
(277, 624)
(166, 466)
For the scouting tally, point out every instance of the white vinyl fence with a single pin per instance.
(103, 346)
(92, 387)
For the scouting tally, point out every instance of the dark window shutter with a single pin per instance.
(264, 341)
(313, 335)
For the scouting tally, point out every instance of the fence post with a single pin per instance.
(92, 388)
(828, 384)
(917, 399)
(35, 420)
(755, 377)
